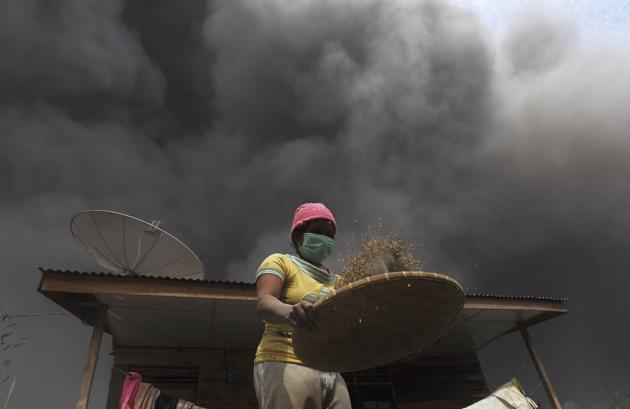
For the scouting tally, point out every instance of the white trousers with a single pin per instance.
(282, 385)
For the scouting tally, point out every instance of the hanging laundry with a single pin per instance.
(140, 395)
(165, 401)
(182, 404)
(131, 387)
(508, 396)
(147, 397)
(152, 398)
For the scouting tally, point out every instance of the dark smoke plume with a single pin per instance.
(505, 163)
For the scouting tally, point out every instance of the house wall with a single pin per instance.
(218, 378)
(438, 383)
(212, 378)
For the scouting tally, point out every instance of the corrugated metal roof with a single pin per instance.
(139, 277)
(517, 297)
(145, 277)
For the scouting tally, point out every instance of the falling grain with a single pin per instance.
(377, 255)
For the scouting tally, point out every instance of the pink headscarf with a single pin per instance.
(311, 211)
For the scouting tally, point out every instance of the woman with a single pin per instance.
(287, 286)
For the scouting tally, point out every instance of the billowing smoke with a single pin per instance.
(503, 161)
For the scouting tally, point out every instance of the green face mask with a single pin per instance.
(316, 247)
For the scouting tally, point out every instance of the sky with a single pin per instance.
(591, 18)
(490, 135)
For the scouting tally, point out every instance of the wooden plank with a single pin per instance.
(438, 382)
(438, 361)
(234, 366)
(546, 311)
(540, 368)
(437, 369)
(423, 396)
(510, 304)
(53, 281)
(125, 356)
(57, 282)
(92, 359)
(173, 367)
(436, 404)
(79, 305)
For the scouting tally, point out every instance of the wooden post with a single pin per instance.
(92, 358)
(542, 373)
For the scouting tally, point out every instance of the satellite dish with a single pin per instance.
(127, 245)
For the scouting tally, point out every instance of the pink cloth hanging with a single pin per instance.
(131, 387)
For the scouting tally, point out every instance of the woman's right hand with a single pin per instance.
(272, 310)
(301, 315)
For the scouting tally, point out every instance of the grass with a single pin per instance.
(7, 343)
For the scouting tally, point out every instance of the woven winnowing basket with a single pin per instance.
(378, 320)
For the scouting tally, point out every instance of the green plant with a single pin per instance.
(5, 405)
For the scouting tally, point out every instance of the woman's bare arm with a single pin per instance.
(270, 309)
